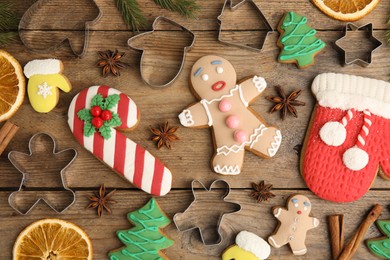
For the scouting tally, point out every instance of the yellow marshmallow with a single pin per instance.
(237, 253)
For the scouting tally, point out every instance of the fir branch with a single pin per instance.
(132, 14)
(7, 38)
(186, 8)
(8, 18)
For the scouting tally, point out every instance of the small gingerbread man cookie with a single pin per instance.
(294, 223)
(224, 107)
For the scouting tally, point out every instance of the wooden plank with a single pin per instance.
(190, 156)
(210, 10)
(253, 217)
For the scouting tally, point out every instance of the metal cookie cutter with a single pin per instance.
(350, 27)
(40, 168)
(150, 53)
(232, 8)
(207, 212)
(48, 23)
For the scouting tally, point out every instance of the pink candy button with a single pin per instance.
(225, 105)
(233, 121)
(240, 136)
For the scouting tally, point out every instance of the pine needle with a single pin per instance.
(186, 8)
(132, 14)
(8, 18)
(7, 38)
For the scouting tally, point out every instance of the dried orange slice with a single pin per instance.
(12, 85)
(51, 239)
(346, 10)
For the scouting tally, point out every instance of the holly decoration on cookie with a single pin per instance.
(144, 241)
(298, 41)
(381, 246)
(99, 117)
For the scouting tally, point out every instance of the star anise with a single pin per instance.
(262, 192)
(164, 135)
(110, 62)
(102, 200)
(286, 103)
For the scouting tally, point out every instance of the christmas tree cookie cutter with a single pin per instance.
(172, 60)
(47, 24)
(202, 211)
(39, 167)
(352, 28)
(228, 5)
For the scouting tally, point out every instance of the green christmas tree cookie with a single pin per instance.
(381, 246)
(144, 241)
(298, 41)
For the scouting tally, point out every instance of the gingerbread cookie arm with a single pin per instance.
(125, 157)
(251, 88)
(279, 213)
(314, 223)
(195, 116)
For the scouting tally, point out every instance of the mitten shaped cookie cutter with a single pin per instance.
(204, 209)
(178, 64)
(47, 24)
(350, 28)
(39, 163)
(229, 5)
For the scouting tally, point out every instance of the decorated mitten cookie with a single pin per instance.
(224, 107)
(93, 114)
(248, 246)
(294, 222)
(348, 136)
(44, 79)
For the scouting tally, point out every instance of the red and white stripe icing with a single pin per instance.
(124, 156)
(361, 142)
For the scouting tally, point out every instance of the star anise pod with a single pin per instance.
(102, 200)
(262, 192)
(110, 62)
(286, 103)
(164, 135)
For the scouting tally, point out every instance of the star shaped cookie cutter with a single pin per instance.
(33, 164)
(229, 5)
(144, 65)
(202, 210)
(350, 27)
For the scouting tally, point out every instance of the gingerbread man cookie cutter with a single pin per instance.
(228, 5)
(145, 65)
(41, 28)
(33, 164)
(190, 220)
(350, 28)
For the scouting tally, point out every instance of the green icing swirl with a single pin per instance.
(381, 247)
(298, 40)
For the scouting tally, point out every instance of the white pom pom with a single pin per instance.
(333, 133)
(253, 243)
(355, 158)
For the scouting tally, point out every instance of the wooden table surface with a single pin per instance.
(190, 157)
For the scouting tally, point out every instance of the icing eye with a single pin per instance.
(205, 77)
(306, 204)
(219, 69)
(296, 205)
(305, 208)
(294, 200)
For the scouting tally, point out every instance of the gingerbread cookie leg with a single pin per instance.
(278, 240)
(267, 143)
(229, 163)
(298, 246)
(93, 114)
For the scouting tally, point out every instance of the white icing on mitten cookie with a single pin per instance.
(92, 117)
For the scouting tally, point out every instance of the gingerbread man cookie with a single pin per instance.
(294, 223)
(224, 107)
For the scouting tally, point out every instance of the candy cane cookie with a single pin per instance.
(96, 116)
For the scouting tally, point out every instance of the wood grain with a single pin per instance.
(190, 157)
